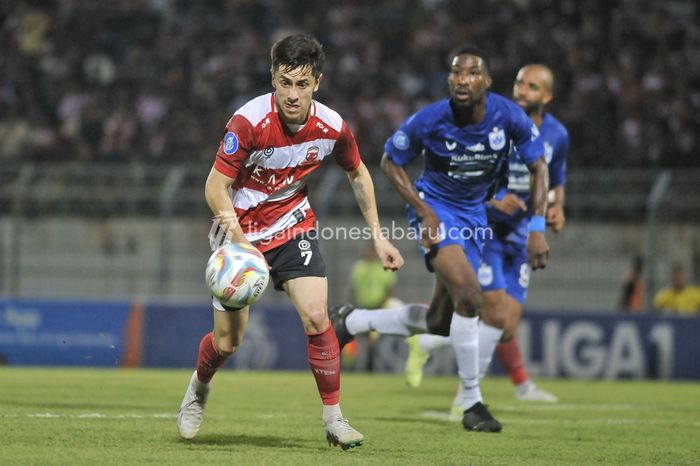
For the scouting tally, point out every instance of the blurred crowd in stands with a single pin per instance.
(156, 80)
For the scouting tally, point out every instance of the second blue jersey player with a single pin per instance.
(504, 274)
(465, 141)
(505, 264)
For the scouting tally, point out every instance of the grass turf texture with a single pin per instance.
(74, 416)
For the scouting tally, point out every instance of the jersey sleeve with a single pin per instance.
(345, 151)
(407, 142)
(235, 146)
(526, 137)
(557, 167)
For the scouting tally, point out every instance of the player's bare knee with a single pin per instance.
(226, 345)
(316, 319)
(226, 348)
(494, 312)
(507, 335)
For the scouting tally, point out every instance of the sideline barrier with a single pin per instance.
(128, 334)
(66, 333)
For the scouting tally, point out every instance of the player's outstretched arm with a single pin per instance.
(216, 192)
(362, 186)
(537, 247)
(430, 233)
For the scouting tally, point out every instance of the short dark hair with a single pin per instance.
(298, 50)
(469, 49)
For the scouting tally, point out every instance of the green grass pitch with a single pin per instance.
(100, 417)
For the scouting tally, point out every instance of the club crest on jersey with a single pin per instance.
(400, 140)
(497, 139)
(485, 275)
(312, 154)
(230, 143)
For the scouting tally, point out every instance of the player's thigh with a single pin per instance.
(310, 297)
(455, 271)
(229, 328)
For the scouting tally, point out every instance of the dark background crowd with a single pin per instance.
(156, 80)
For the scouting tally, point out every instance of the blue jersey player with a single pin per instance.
(465, 141)
(504, 274)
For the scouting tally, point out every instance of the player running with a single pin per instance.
(257, 192)
(466, 141)
(504, 274)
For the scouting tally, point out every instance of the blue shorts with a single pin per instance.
(505, 265)
(469, 230)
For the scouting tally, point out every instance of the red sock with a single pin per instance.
(509, 355)
(324, 359)
(209, 359)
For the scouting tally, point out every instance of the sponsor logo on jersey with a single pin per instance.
(478, 147)
(269, 150)
(451, 145)
(497, 139)
(230, 143)
(400, 140)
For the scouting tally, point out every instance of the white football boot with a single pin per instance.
(534, 393)
(340, 432)
(191, 414)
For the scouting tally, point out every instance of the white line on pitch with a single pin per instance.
(93, 416)
(445, 416)
(526, 406)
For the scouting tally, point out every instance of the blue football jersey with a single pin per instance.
(555, 139)
(463, 164)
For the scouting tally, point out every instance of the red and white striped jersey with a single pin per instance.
(269, 165)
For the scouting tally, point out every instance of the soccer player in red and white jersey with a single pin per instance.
(256, 190)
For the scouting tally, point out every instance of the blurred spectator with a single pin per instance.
(679, 298)
(145, 79)
(632, 297)
(372, 288)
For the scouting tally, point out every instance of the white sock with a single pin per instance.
(331, 411)
(405, 320)
(488, 339)
(428, 342)
(459, 397)
(464, 332)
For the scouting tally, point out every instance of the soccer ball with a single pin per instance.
(237, 274)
